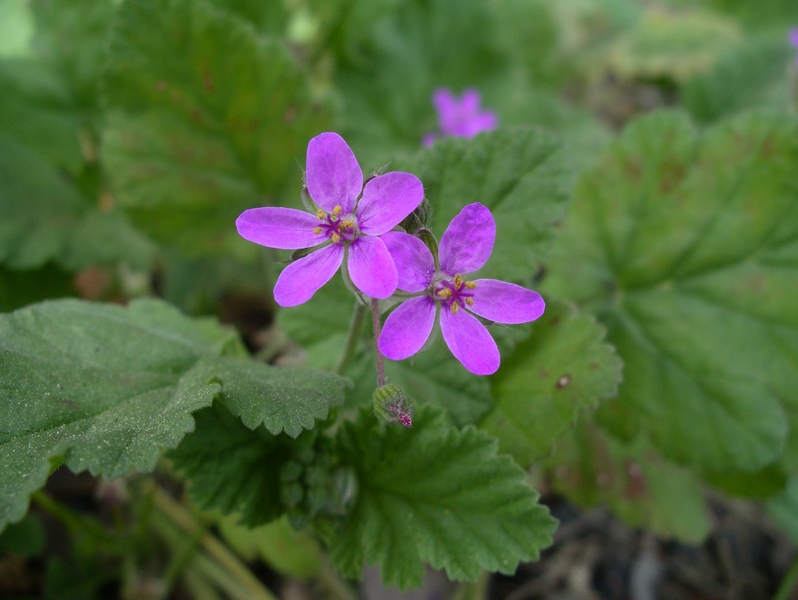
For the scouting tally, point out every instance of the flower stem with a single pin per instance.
(352, 337)
(220, 554)
(375, 319)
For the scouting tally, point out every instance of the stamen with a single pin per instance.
(335, 238)
(470, 301)
(337, 210)
(317, 230)
(348, 224)
(455, 307)
(458, 281)
(471, 285)
(444, 294)
(320, 214)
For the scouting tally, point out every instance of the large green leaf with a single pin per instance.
(521, 174)
(47, 218)
(563, 368)
(685, 247)
(434, 494)
(593, 468)
(106, 389)
(195, 139)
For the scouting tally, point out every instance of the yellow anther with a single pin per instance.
(455, 308)
(320, 214)
(471, 285)
(470, 301)
(445, 294)
(458, 281)
(335, 238)
(317, 230)
(348, 224)
(337, 210)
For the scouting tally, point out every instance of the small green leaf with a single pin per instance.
(685, 247)
(672, 45)
(279, 398)
(206, 119)
(434, 494)
(231, 468)
(522, 175)
(645, 490)
(563, 368)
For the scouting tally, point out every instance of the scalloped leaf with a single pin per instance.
(521, 174)
(434, 494)
(563, 368)
(195, 139)
(107, 389)
(686, 247)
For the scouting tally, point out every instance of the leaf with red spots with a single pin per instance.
(562, 369)
(686, 247)
(206, 119)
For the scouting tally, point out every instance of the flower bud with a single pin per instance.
(420, 218)
(392, 406)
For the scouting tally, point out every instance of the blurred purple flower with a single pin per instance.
(461, 117)
(793, 37)
(349, 219)
(464, 248)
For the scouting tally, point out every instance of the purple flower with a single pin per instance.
(461, 117)
(443, 290)
(793, 37)
(347, 224)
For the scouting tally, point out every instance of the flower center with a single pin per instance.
(454, 292)
(335, 227)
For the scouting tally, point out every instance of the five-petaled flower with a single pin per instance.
(349, 220)
(461, 117)
(442, 290)
(793, 37)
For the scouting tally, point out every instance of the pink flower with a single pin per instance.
(444, 291)
(793, 37)
(461, 117)
(349, 220)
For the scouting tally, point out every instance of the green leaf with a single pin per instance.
(26, 538)
(281, 399)
(766, 13)
(784, 509)
(645, 490)
(749, 75)
(108, 388)
(438, 495)
(521, 174)
(46, 218)
(231, 468)
(562, 369)
(685, 247)
(673, 45)
(206, 118)
(20, 288)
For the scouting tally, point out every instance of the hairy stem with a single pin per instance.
(352, 337)
(375, 320)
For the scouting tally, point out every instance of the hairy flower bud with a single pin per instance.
(392, 406)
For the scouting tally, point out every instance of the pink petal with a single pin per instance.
(470, 342)
(284, 228)
(484, 121)
(447, 108)
(504, 302)
(793, 36)
(469, 103)
(468, 241)
(387, 200)
(300, 280)
(414, 263)
(407, 328)
(333, 176)
(371, 267)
